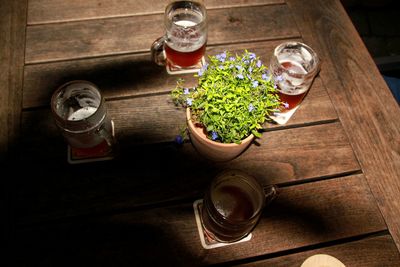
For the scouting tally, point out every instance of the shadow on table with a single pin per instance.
(99, 244)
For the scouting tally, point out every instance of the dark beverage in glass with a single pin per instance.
(232, 206)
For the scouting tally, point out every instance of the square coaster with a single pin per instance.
(173, 70)
(206, 241)
(100, 152)
(283, 117)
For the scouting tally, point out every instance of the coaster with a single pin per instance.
(283, 117)
(206, 241)
(322, 260)
(174, 70)
(100, 152)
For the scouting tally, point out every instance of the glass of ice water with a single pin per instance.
(293, 66)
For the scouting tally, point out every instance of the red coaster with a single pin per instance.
(100, 152)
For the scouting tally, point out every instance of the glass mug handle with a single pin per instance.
(157, 51)
(271, 192)
(106, 135)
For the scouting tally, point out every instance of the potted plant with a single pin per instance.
(232, 100)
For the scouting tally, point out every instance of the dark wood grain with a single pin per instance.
(145, 175)
(155, 119)
(337, 161)
(101, 37)
(368, 111)
(12, 45)
(302, 215)
(135, 75)
(368, 252)
(118, 76)
(50, 11)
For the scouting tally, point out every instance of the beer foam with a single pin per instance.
(82, 113)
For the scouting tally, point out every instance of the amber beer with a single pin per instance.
(184, 43)
(184, 58)
(291, 98)
(186, 35)
(294, 66)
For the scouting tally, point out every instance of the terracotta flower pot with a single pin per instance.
(214, 150)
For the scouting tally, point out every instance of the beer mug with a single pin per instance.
(81, 115)
(184, 43)
(293, 66)
(233, 204)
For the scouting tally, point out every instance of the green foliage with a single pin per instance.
(233, 98)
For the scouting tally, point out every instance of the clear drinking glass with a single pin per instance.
(233, 204)
(184, 42)
(80, 113)
(293, 66)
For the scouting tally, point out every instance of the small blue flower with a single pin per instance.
(286, 105)
(240, 76)
(255, 84)
(259, 63)
(200, 72)
(250, 69)
(252, 56)
(221, 57)
(251, 107)
(221, 67)
(214, 135)
(231, 58)
(186, 91)
(189, 101)
(238, 67)
(179, 139)
(279, 78)
(265, 77)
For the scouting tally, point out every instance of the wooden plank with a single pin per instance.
(135, 75)
(146, 175)
(302, 215)
(132, 119)
(374, 251)
(12, 45)
(50, 11)
(368, 111)
(118, 76)
(61, 41)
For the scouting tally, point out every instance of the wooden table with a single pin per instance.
(337, 161)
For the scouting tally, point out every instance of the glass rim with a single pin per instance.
(199, 5)
(76, 123)
(251, 181)
(316, 64)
